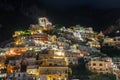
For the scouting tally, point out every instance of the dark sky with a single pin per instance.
(72, 3)
(19, 14)
(95, 13)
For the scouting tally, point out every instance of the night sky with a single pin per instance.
(72, 3)
(19, 14)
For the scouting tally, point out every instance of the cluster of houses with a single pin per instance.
(38, 54)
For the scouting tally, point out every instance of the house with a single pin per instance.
(32, 69)
(18, 75)
(100, 65)
(54, 73)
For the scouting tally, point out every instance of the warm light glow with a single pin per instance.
(59, 53)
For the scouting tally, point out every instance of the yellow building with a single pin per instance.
(10, 69)
(54, 69)
(32, 70)
(59, 54)
(2, 65)
(100, 66)
(2, 60)
(15, 51)
(93, 44)
(53, 62)
(109, 41)
(46, 56)
(55, 73)
(53, 38)
(40, 38)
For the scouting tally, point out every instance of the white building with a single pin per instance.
(44, 22)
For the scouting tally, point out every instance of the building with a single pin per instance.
(2, 65)
(116, 61)
(117, 39)
(45, 54)
(78, 36)
(100, 65)
(93, 44)
(32, 69)
(38, 38)
(10, 68)
(84, 33)
(53, 62)
(45, 24)
(3, 70)
(108, 41)
(20, 76)
(54, 68)
(100, 35)
(71, 58)
(55, 73)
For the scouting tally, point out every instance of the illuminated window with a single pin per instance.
(59, 79)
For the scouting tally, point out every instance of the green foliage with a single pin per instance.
(110, 51)
(79, 71)
(58, 26)
(96, 54)
(103, 77)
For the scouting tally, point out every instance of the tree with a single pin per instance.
(110, 51)
(58, 26)
(103, 77)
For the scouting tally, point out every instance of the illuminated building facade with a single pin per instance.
(100, 66)
(40, 38)
(55, 73)
(54, 69)
(33, 69)
(108, 41)
(43, 22)
(93, 44)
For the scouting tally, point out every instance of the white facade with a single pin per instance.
(44, 22)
